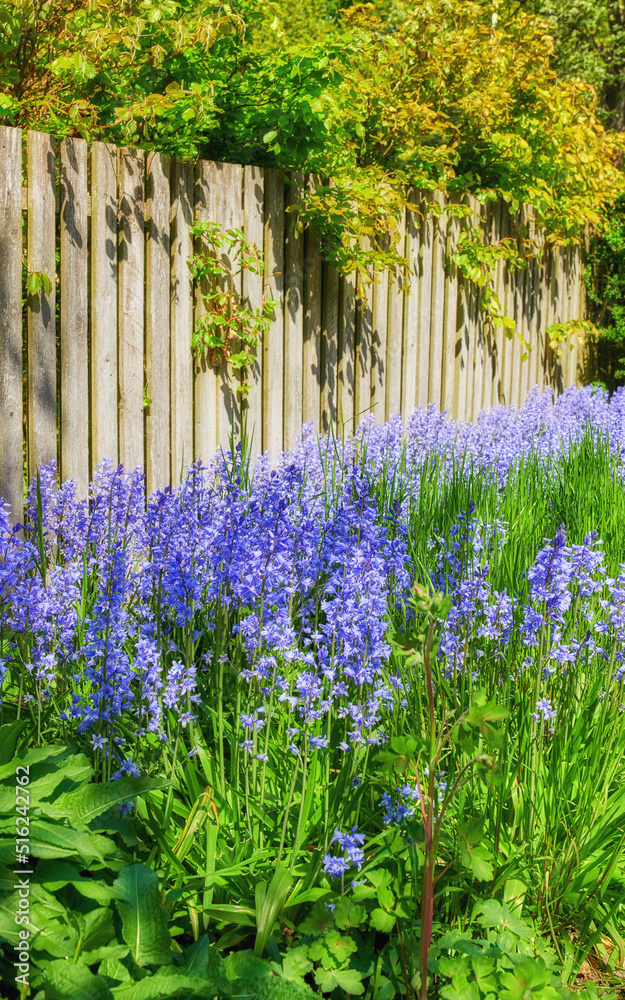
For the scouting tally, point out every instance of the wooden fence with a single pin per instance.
(76, 374)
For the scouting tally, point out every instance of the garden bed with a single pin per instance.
(296, 731)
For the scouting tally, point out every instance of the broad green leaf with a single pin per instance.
(76, 982)
(9, 735)
(29, 758)
(144, 921)
(58, 873)
(245, 965)
(85, 804)
(165, 984)
(49, 840)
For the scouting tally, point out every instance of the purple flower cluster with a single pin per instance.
(353, 855)
(119, 617)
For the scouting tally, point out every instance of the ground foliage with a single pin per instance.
(362, 713)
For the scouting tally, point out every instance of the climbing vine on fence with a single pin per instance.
(227, 322)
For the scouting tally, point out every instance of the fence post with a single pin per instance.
(104, 435)
(253, 213)
(437, 313)
(477, 360)
(229, 215)
(41, 306)
(11, 438)
(205, 383)
(157, 423)
(329, 346)
(379, 338)
(396, 305)
(347, 364)
(181, 320)
(130, 288)
(74, 430)
(293, 317)
(451, 350)
(466, 330)
(273, 347)
(412, 346)
(520, 325)
(422, 285)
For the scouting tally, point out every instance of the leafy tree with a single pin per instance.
(458, 95)
(108, 68)
(454, 94)
(589, 41)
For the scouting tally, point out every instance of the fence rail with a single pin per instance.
(111, 228)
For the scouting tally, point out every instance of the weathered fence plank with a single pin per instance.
(497, 227)
(157, 423)
(480, 363)
(412, 358)
(181, 319)
(468, 332)
(397, 298)
(253, 213)
(41, 305)
(578, 311)
(329, 347)
(437, 307)
(521, 371)
(530, 307)
(364, 333)
(293, 317)
(131, 305)
(205, 384)
(104, 436)
(229, 215)
(379, 338)
(450, 372)
(312, 324)
(347, 363)
(421, 290)
(11, 439)
(464, 337)
(273, 347)
(74, 316)
(506, 298)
